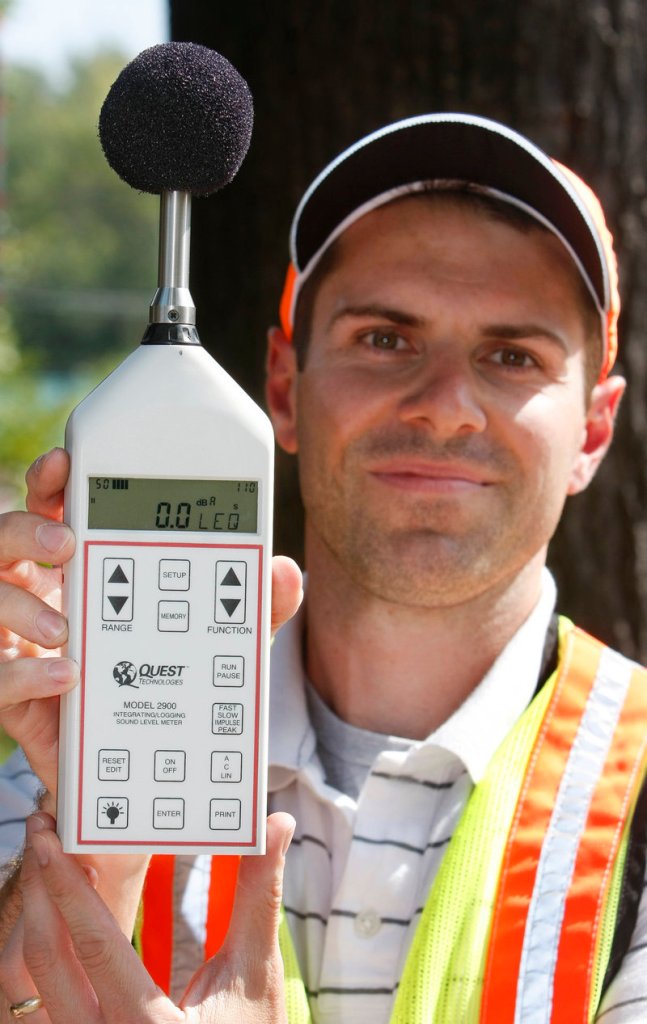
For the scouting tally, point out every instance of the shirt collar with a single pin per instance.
(500, 698)
(292, 740)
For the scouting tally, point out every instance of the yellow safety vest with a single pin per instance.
(519, 922)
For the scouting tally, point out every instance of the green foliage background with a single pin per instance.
(78, 254)
(79, 251)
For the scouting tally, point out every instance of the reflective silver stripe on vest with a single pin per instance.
(559, 850)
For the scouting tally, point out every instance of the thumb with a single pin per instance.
(255, 919)
(244, 980)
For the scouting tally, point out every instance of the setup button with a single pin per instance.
(174, 574)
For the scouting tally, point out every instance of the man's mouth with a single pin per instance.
(452, 477)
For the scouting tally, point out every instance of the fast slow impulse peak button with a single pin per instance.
(118, 589)
(227, 719)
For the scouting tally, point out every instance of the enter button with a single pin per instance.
(168, 812)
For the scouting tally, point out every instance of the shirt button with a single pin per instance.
(367, 924)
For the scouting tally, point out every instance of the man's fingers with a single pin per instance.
(244, 980)
(35, 679)
(46, 478)
(16, 983)
(287, 590)
(30, 618)
(254, 922)
(48, 951)
(123, 987)
(27, 536)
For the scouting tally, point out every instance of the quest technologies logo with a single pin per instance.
(125, 674)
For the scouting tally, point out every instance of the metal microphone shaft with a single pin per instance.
(172, 302)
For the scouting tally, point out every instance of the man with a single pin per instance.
(469, 840)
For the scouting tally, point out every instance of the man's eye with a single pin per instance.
(386, 341)
(515, 358)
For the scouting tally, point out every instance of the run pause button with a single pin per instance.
(231, 587)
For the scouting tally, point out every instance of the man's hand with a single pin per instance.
(84, 969)
(31, 679)
(31, 626)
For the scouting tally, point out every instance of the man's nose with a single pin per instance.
(445, 398)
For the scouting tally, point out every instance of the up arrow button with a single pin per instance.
(118, 583)
(231, 592)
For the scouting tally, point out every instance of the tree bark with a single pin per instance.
(570, 74)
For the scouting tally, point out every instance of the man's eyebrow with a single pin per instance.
(377, 312)
(517, 332)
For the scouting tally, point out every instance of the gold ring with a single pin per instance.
(26, 1007)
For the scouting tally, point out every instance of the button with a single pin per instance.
(112, 812)
(173, 616)
(367, 924)
(227, 719)
(226, 766)
(168, 812)
(114, 764)
(224, 814)
(170, 765)
(231, 591)
(118, 589)
(174, 574)
(228, 670)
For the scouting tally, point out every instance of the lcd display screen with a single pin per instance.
(170, 506)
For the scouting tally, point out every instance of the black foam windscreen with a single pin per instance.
(178, 117)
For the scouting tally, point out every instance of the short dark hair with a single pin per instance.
(465, 195)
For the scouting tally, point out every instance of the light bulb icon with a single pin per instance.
(113, 811)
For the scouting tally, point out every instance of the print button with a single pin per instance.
(224, 814)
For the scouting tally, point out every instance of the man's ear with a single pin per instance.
(598, 431)
(280, 388)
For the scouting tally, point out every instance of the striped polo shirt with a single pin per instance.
(361, 862)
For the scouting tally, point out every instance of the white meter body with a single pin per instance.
(163, 745)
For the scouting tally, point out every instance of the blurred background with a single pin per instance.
(78, 247)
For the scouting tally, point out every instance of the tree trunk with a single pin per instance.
(570, 74)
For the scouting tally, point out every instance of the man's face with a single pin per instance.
(441, 416)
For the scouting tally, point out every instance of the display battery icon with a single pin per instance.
(120, 485)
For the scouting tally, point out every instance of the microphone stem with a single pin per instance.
(172, 302)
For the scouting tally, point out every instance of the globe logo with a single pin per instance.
(125, 673)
